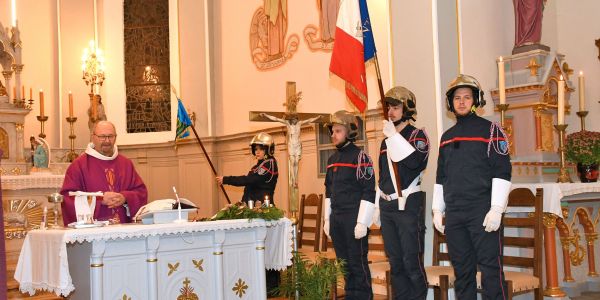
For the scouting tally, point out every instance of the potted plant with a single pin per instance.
(583, 148)
(314, 280)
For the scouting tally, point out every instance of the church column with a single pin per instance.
(20, 143)
(219, 239)
(261, 234)
(97, 269)
(7, 75)
(552, 289)
(151, 249)
(18, 68)
(538, 127)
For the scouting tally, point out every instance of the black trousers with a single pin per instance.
(403, 235)
(354, 253)
(469, 247)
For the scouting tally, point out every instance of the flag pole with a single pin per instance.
(385, 109)
(209, 161)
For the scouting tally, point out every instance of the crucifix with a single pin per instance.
(293, 121)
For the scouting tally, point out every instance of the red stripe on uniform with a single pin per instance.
(349, 165)
(470, 139)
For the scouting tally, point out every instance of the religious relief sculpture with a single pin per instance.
(268, 29)
(96, 112)
(328, 11)
(528, 25)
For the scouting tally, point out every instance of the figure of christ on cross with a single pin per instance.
(293, 122)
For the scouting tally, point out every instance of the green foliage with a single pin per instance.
(313, 280)
(583, 147)
(241, 211)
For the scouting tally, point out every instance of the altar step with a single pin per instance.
(16, 295)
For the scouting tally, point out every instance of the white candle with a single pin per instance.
(501, 82)
(70, 104)
(41, 103)
(561, 101)
(13, 7)
(581, 91)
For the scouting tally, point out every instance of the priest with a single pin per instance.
(102, 169)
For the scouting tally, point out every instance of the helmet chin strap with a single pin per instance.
(343, 144)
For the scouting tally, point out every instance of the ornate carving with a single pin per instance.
(578, 254)
(240, 288)
(172, 268)
(549, 220)
(547, 132)
(187, 291)
(125, 297)
(22, 215)
(198, 264)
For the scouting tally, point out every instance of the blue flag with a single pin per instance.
(183, 121)
(368, 40)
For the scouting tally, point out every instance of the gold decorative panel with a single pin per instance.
(240, 288)
(187, 291)
(147, 75)
(22, 215)
(547, 132)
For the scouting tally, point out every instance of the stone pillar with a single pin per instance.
(7, 75)
(18, 68)
(20, 142)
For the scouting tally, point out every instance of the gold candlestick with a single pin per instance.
(563, 174)
(582, 115)
(502, 108)
(71, 156)
(42, 119)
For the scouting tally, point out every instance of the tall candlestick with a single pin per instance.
(561, 101)
(581, 91)
(14, 92)
(501, 81)
(41, 103)
(70, 104)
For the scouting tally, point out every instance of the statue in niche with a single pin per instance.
(40, 153)
(528, 23)
(96, 112)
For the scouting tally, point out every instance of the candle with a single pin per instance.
(501, 82)
(41, 102)
(30, 93)
(70, 104)
(23, 91)
(581, 91)
(13, 7)
(561, 101)
(14, 92)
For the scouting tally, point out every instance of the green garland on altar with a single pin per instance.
(241, 211)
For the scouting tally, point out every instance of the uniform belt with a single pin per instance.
(405, 193)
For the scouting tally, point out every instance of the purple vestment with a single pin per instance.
(90, 174)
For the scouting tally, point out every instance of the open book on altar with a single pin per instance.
(164, 211)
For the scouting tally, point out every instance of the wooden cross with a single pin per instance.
(291, 100)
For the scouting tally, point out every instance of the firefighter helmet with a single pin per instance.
(463, 80)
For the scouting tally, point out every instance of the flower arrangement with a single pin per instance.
(583, 147)
(241, 211)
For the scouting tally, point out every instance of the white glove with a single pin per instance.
(326, 228)
(326, 214)
(376, 217)
(437, 221)
(364, 219)
(493, 219)
(360, 231)
(389, 129)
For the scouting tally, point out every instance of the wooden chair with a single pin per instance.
(440, 277)
(519, 225)
(309, 223)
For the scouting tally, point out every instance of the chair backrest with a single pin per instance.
(524, 230)
(309, 222)
(440, 250)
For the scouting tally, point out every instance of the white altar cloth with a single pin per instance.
(43, 262)
(38, 181)
(555, 192)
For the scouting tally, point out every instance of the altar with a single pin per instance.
(196, 260)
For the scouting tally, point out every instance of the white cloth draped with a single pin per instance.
(43, 262)
(555, 192)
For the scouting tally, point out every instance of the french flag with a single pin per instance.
(354, 46)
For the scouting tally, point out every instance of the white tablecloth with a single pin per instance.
(554, 193)
(43, 262)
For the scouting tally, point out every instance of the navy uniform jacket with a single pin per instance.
(259, 182)
(411, 166)
(472, 153)
(349, 179)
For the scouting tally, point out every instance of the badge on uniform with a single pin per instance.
(421, 145)
(370, 171)
(503, 146)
